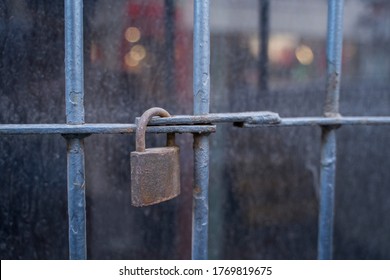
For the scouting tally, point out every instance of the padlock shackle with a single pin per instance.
(143, 123)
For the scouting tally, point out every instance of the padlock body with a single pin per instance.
(155, 175)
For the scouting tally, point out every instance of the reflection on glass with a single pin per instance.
(132, 34)
(130, 61)
(138, 52)
(135, 55)
(304, 54)
(280, 50)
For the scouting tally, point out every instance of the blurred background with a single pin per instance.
(263, 182)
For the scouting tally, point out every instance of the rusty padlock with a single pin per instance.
(155, 172)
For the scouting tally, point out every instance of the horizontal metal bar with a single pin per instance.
(241, 117)
(311, 121)
(103, 128)
(252, 120)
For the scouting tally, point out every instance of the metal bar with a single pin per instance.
(201, 198)
(169, 22)
(76, 198)
(201, 142)
(201, 57)
(74, 95)
(327, 192)
(182, 124)
(264, 36)
(334, 55)
(74, 66)
(328, 143)
(322, 121)
(15, 129)
(248, 117)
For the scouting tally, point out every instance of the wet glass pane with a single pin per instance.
(263, 182)
(33, 217)
(265, 195)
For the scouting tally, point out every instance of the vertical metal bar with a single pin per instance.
(334, 55)
(264, 37)
(201, 142)
(74, 62)
(74, 88)
(201, 57)
(200, 222)
(169, 21)
(328, 143)
(76, 199)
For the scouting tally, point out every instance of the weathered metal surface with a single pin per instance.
(143, 122)
(155, 172)
(201, 92)
(74, 100)
(74, 66)
(169, 29)
(327, 193)
(264, 26)
(334, 56)
(200, 213)
(76, 198)
(240, 117)
(15, 129)
(328, 144)
(201, 48)
(155, 176)
(249, 121)
(322, 121)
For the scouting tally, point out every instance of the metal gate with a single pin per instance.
(201, 124)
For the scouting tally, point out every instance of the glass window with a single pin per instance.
(263, 182)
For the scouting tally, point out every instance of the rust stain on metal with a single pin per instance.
(333, 81)
(332, 96)
(155, 175)
(197, 190)
(196, 144)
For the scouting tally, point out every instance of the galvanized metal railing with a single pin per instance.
(201, 124)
